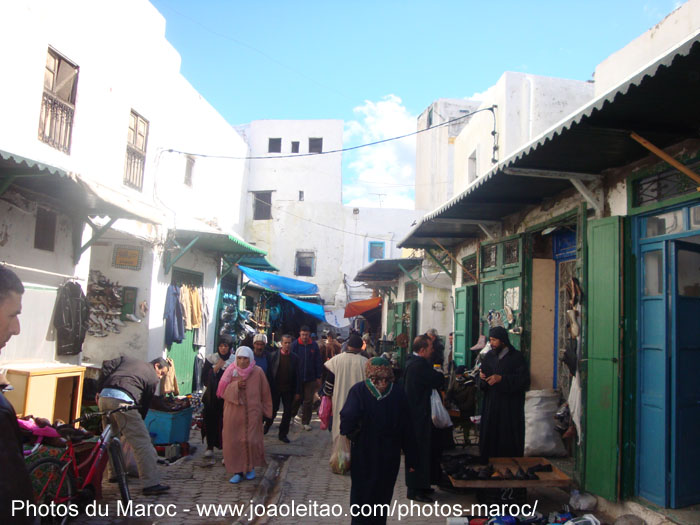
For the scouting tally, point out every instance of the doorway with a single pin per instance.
(668, 407)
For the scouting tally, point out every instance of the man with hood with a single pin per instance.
(504, 378)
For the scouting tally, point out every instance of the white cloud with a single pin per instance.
(482, 95)
(388, 168)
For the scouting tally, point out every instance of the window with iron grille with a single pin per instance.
(262, 205)
(410, 291)
(469, 264)
(136, 142)
(305, 264)
(376, 250)
(274, 145)
(511, 252)
(661, 186)
(58, 102)
(45, 230)
(189, 169)
(315, 145)
(488, 256)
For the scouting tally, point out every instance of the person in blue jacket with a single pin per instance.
(310, 370)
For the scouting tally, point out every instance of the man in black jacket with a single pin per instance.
(310, 369)
(128, 381)
(285, 384)
(14, 479)
(419, 381)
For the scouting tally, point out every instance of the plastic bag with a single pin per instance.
(441, 418)
(325, 411)
(541, 438)
(340, 458)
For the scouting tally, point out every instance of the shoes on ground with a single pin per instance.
(267, 426)
(284, 439)
(208, 453)
(420, 497)
(156, 489)
(250, 475)
(307, 427)
(237, 478)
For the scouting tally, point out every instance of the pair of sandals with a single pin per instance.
(237, 478)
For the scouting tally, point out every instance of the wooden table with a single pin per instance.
(556, 478)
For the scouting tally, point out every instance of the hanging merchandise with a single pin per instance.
(70, 319)
(200, 334)
(174, 326)
(105, 301)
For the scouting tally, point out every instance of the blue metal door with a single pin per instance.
(653, 417)
(685, 363)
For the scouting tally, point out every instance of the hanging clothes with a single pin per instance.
(200, 334)
(169, 383)
(174, 327)
(196, 306)
(186, 306)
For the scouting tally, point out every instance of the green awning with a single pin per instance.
(223, 243)
(12, 164)
(257, 262)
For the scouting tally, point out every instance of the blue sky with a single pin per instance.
(378, 64)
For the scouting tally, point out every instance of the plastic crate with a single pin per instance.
(169, 427)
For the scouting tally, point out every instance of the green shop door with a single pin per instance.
(463, 336)
(500, 288)
(183, 354)
(602, 410)
(405, 323)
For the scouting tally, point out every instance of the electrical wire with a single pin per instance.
(340, 150)
(340, 230)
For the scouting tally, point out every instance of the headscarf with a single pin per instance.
(378, 367)
(235, 371)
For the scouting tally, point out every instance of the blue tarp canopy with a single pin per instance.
(313, 309)
(279, 283)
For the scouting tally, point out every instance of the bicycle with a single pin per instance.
(58, 478)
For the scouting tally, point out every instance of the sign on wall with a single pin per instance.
(127, 257)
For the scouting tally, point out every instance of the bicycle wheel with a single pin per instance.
(49, 485)
(115, 452)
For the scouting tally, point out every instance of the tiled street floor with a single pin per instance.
(298, 473)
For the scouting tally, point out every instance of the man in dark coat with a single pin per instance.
(504, 378)
(376, 418)
(419, 381)
(438, 355)
(310, 369)
(14, 478)
(285, 385)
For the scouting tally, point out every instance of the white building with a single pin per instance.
(294, 208)
(524, 106)
(101, 111)
(435, 149)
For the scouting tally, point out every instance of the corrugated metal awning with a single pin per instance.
(659, 102)
(386, 270)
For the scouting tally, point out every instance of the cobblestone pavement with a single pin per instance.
(298, 473)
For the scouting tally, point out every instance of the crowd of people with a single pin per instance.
(381, 416)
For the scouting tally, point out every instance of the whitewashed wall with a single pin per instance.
(435, 151)
(124, 63)
(527, 106)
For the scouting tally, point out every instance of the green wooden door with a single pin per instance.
(603, 370)
(183, 355)
(461, 323)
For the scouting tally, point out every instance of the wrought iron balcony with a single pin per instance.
(133, 169)
(56, 122)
